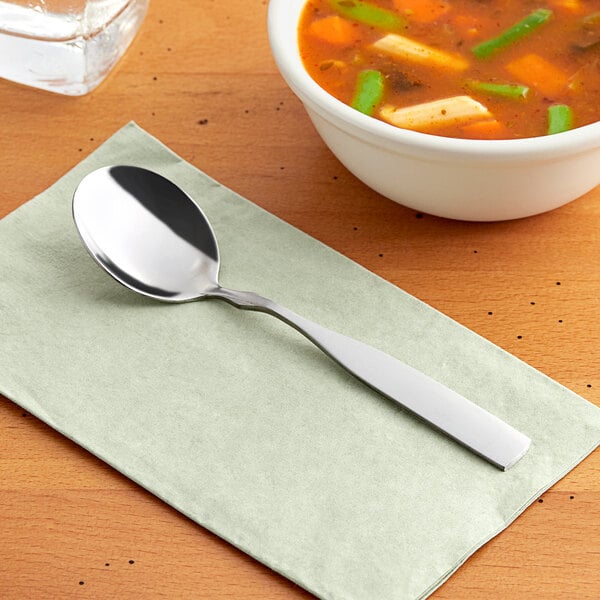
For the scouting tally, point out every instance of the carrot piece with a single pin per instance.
(422, 11)
(490, 129)
(334, 30)
(573, 6)
(537, 72)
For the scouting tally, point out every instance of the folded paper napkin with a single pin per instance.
(244, 426)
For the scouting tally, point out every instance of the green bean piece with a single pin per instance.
(368, 91)
(369, 14)
(560, 118)
(511, 35)
(505, 90)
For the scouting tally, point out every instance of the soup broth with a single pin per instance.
(482, 69)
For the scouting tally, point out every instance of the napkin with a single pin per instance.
(240, 423)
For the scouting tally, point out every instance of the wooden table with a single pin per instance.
(200, 77)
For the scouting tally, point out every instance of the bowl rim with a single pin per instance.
(282, 25)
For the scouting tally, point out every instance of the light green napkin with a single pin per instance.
(240, 423)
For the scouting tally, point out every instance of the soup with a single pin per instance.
(479, 69)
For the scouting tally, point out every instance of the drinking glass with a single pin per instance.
(65, 46)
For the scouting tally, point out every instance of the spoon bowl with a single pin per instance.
(153, 238)
(163, 249)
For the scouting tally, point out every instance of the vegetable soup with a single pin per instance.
(481, 69)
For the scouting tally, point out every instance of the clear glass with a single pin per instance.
(65, 46)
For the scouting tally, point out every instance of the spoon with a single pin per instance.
(154, 239)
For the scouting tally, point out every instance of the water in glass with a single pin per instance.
(65, 46)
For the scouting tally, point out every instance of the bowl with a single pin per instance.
(473, 180)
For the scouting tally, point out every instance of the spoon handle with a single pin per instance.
(445, 409)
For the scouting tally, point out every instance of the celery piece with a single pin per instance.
(519, 30)
(403, 48)
(560, 118)
(435, 114)
(506, 90)
(591, 20)
(368, 92)
(369, 14)
(588, 33)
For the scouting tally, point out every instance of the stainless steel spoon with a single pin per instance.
(153, 238)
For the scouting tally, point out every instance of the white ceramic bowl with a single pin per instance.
(475, 180)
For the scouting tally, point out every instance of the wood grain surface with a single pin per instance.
(200, 77)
